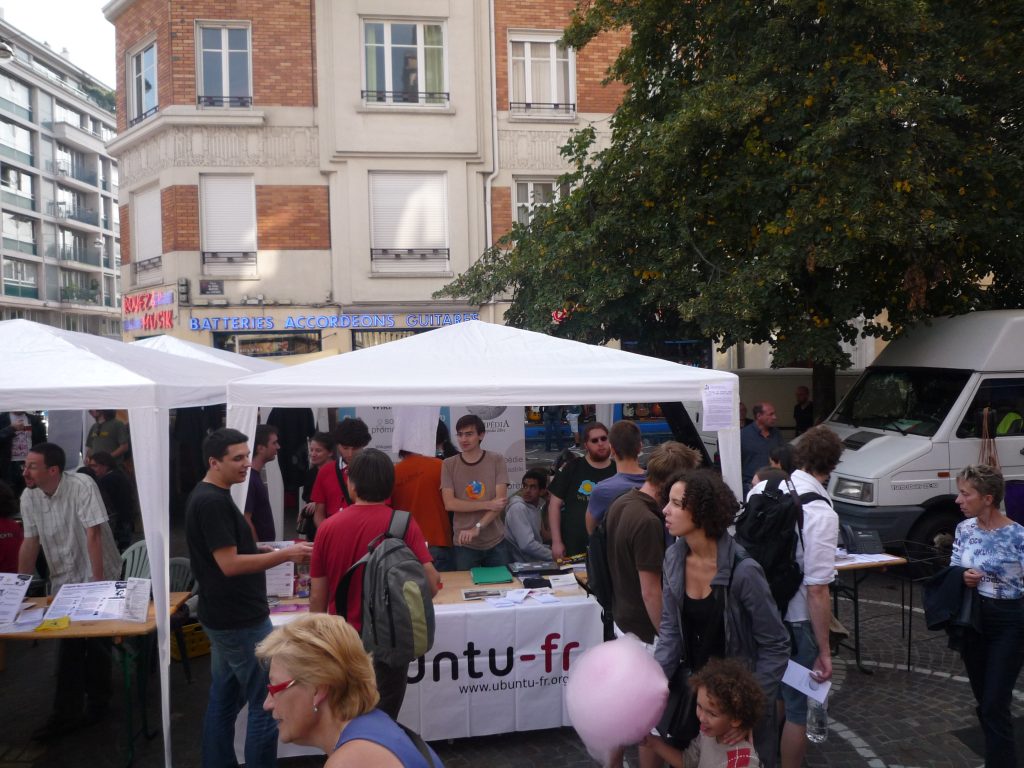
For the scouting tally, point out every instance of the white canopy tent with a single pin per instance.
(175, 346)
(53, 369)
(479, 363)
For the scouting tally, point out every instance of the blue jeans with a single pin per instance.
(237, 679)
(993, 660)
(444, 559)
(552, 430)
(803, 649)
(466, 558)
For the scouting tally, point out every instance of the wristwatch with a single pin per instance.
(478, 526)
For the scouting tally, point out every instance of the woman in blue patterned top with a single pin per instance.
(991, 547)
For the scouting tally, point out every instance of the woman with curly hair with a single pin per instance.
(716, 601)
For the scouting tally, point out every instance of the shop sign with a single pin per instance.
(143, 311)
(211, 287)
(314, 322)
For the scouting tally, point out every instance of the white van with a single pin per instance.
(914, 419)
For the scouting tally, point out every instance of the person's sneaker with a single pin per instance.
(56, 727)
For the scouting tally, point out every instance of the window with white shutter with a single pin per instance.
(227, 210)
(409, 222)
(147, 237)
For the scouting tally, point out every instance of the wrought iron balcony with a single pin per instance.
(542, 109)
(430, 98)
(224, 101)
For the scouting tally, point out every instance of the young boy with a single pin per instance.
(729, 703)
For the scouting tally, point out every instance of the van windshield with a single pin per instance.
(907, 400)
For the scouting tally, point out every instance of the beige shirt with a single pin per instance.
(476, 482)
(60, 522)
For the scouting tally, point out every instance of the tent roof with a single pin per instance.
(51, 368)
(476, 363)
(175, 346)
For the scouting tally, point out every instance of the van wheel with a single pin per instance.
(930, 543)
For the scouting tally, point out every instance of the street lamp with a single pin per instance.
(6, 50)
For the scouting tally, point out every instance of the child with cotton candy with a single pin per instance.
(728, 698)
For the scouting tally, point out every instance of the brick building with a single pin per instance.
(59, 187)
(303, 176)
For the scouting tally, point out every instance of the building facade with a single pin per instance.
(58, 192)
(303, 177)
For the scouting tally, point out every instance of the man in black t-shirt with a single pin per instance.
(569, 492)
(229, 571)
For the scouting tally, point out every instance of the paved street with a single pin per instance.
(922, 718)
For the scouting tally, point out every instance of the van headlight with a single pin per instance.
(854, 490)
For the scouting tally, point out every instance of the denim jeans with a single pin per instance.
(803, 649)
(444, 558)
(993, 660)
(466, 558)
(237, 679)
(552, 430)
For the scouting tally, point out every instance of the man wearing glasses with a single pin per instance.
(570, 492)
(627, 443)
(474, 486)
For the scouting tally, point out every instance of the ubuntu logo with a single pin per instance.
(475, 490)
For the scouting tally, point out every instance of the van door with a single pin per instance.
(1004, 397)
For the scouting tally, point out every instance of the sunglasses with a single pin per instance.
(602, 439)
(273, 690)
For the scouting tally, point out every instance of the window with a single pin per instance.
(79, 287)
(21, 278)
(147, 237)
(409, 222)
(1005, 400)
(72, 246)
(227, 209)
(142, 92)
(15, 142)
(532, 194)
(15, 97)
(18, 187)
(224, 79)
(542, 77)
(404, 63)
(65, 114)
(19, 233)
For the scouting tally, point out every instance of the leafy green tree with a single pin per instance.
(778, 170)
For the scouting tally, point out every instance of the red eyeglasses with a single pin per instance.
(273, 690)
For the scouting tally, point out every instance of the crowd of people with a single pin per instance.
(682, 584)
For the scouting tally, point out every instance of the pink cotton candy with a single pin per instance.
(615, 695)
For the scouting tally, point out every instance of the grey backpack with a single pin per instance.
(398, 607)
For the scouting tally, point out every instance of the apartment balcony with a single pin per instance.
(76, 294)
(79, 254)
(73, 172)
(549, 110)
(74, 213)
(139, 118)
(385, 98)
(79, 137)
(224, 101)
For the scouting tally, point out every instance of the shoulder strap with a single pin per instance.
(342, 484)
(399, 524)
(813, 496)
(799, 510)
(418, 742)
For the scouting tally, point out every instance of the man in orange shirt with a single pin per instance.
(418, 491)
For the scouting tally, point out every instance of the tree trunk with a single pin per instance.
(823, 391)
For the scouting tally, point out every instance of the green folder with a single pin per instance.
(497, 574)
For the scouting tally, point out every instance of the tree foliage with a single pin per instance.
(778, 170)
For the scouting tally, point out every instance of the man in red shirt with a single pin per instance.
(329, 491)
(344, 538)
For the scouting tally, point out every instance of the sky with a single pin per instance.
(78, 25)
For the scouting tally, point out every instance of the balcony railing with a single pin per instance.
(432, 98)
(80, 253)
(78, 213)
(224, 101)
(24, 246)
(15, 109)
(20, 290)
(230, 264)
(139, 118)
(542, 109)
(18, 200)
(148, 271)
(16, 154)
(409, 254)
(64, 168)
(79, 294)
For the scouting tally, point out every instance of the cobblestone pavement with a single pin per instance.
(891, 718)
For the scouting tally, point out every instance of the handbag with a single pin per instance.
(679, 724)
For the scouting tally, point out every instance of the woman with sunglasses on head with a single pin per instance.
(323, 694)
(990, 547)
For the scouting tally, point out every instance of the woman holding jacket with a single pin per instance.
(990, 546)
(741, 621)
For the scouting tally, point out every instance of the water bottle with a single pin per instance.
(817, 721)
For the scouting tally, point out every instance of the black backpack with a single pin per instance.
(768, 529)
(599, 575)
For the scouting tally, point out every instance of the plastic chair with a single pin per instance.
(136, 561)
(182, 580)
